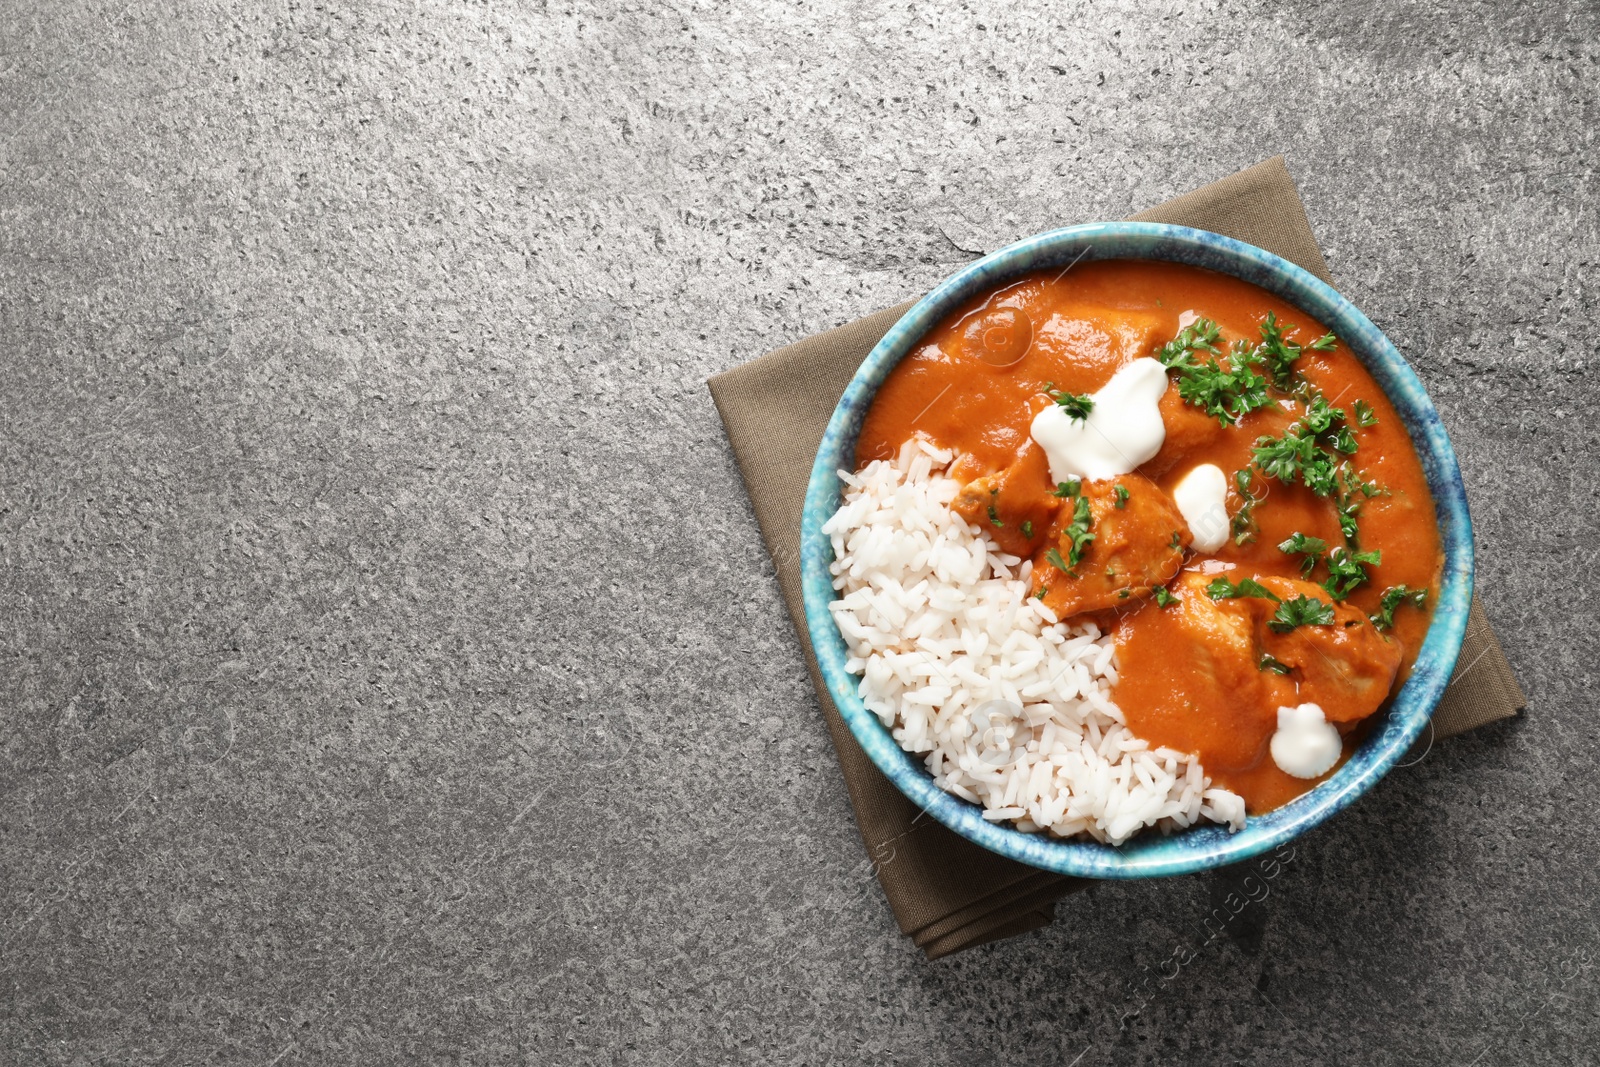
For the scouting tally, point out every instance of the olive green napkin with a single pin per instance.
(947, 893)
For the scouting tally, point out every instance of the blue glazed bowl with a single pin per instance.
(1200, 848)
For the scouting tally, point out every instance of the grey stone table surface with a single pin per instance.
(392, 671)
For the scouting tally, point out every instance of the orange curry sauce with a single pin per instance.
(974, 384)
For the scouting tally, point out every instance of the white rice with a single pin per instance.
(1010, 707)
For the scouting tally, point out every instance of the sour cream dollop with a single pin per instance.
(1202, 499)
(1123, 430)
(1305, 744)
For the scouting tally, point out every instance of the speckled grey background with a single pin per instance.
(392, 670)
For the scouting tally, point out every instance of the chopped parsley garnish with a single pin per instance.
(1311, 547)
(1231, 394)
(1353, 489)
(1308, 453)
(1320, 415)
(1222, 589)
(1301, 611)
(1298, 456)
(1279, 356)
(1347, 570)
(1121, 493)
(1027, 528)
(994, 516)
(1078, 531)
(1122, 594)
(1392, 598)
(1243, 523)
(1177, 540)
(1068, 488)
(1076, 405)
(1226, 394)
(1201, 335)
(1164, 598)
(1055, 560)
(1043, 589)
(1268, 663)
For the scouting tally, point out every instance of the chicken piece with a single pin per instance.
(1189, 430)
(1230, 704)
(1226, 626)
(1138, 541)
(1223, 632)
(1347, 668)
(1096, 340)
(1014, 506)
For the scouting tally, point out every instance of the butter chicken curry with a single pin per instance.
(1203, 471)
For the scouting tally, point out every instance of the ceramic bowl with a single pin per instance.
(1203, 847)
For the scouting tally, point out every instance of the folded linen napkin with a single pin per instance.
(948, 894)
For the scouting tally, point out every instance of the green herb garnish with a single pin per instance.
(1298, 456)
(1352, 491)
(1027, 528)
(1043, 589)
(1076, 405)
(1308, 451)
(1226, 394)
(1078, 531)
(1231, 394)
(1121, 494)
(1243, 523)
(1268, 663)
(1055, 560)
(1279, 356)
(1346, 567)
(1301, 611)
(1392, 598)
(1164, 598)
(994, 516)
(1068, 488)
(1347, 570)
(1311, 547)
(1177, 540)
(1320, 415)
(1201, 335)
(1222, 589)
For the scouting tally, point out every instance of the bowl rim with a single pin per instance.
(1202, 847)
